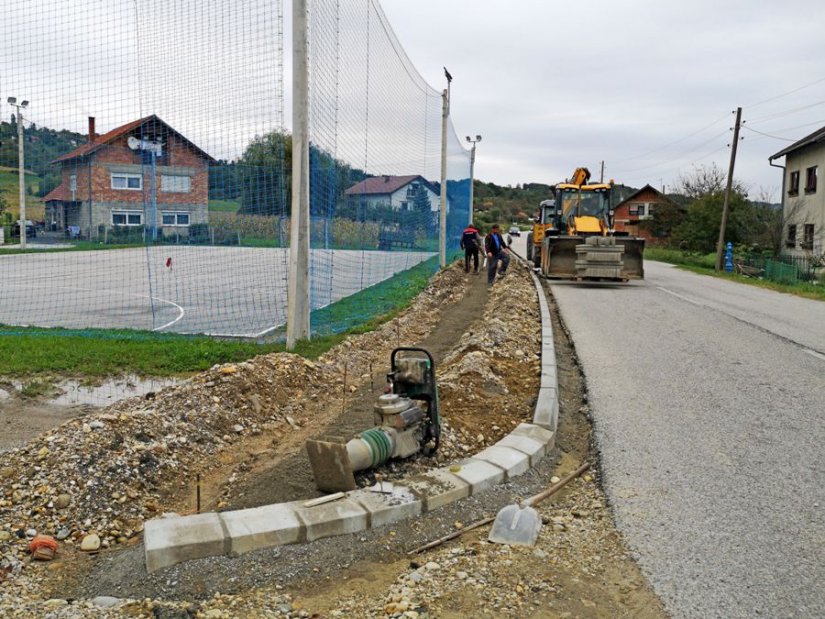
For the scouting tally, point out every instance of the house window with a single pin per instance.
(791, 240)
(175, 184)
(810, 180)
(127, 181)
(127, 218)
(793, 186)
(633, 210)
(175, 218)
(808, 236)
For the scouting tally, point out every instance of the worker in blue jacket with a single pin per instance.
(497, 252)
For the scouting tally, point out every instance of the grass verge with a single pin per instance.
(704, 264)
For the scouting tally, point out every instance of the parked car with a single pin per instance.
(31, 230)
(514, 231)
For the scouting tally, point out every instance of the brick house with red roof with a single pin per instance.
(397, 192)
(141, 175)
(638, 207)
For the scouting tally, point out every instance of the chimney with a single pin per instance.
(386, 178)
(92, 134)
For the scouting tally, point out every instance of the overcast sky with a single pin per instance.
(647, 86)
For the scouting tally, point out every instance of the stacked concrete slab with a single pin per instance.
(173, 539)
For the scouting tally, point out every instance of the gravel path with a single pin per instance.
(710, 430)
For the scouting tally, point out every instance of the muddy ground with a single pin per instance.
(579, 568)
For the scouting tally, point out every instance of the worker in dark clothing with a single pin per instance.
(471, 244)
(497, 252)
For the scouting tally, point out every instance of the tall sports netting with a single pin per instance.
(375, 157)
(157, 166)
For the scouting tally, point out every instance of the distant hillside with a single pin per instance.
(10, 195)
(42, 145)
(508, 204)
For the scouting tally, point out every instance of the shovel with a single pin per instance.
(519, 524)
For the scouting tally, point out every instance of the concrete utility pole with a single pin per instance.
(720, 245)
(297, 325)
(472, 172)
(601, 174)
(21, 167)
(442, 211)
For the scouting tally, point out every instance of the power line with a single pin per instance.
(682, 155)
(690, 135)
(785, 94)
(767, 135)
(786, 112)
(816, 122)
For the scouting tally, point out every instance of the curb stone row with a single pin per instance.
(173, 539)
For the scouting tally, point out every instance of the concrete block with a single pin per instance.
(549, 379)
(512, 461)
(437, 488)
(262, 527)
(328, 519)
(546, 414)
(174, 539)
(533, 448)
(480, 474)
(537, 433)
(384, 509)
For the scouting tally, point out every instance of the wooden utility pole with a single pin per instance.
(720, 245)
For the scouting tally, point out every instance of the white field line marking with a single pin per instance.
(115, 292)
(813, 353)
(170, 323)
(678, 296)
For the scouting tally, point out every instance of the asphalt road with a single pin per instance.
(708, 401)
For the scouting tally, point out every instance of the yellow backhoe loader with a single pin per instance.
(573, 235)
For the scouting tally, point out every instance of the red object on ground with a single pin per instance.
(43, 547)
(169, 262)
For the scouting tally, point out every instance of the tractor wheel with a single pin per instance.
(529, 250)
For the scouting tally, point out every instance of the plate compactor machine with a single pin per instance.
(406, 423)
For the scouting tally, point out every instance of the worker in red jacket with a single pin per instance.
(471, 244)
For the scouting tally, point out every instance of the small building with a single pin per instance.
(803, 203)
(141, 176)
(398, 192)
(639, 207)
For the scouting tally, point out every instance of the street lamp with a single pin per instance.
(472, 170)
(20, 165)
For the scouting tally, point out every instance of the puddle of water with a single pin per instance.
(110, 391)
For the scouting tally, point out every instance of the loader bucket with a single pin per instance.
(633, 256)
(558, 256)
(559, 259)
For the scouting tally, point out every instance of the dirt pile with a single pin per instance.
(489, 382)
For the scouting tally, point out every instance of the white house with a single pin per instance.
(803, 201)
(399, 192)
